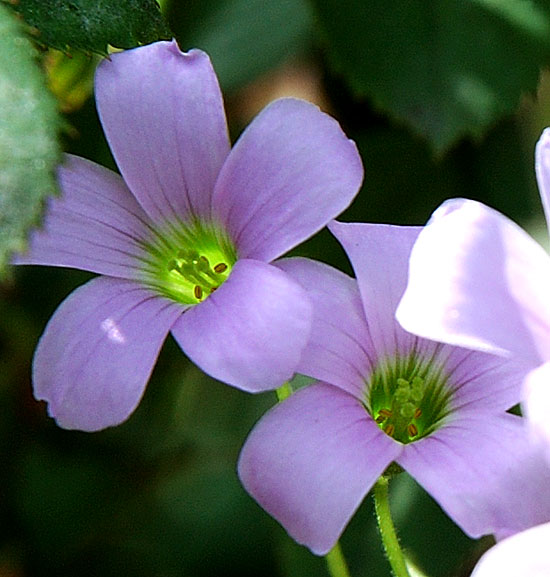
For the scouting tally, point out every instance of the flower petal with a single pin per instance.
(311, 460)
(536, 404)
(478, 468)
(523, 554)
(291, 171)
(162, 112)
(340, 349)
(542, 169)
(478, 280)
(95, 225)
(251, 332)
(484, 382)
(379, 254)
(98, 350)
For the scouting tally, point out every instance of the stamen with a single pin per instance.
(412, 429)
(220, 267)
(389, 430)
(198, 292)
(417, 413)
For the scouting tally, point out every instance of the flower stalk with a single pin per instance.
(336, 562)
(387, 529)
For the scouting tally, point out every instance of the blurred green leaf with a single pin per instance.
(244, 38)
(447, 68)
(28, 146)
(91, 25)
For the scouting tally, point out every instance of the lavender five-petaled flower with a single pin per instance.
(384, 396)
(478, 280)
(184, 239)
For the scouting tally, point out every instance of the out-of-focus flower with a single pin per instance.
(184, 239)
(478, 280)
(524, 554)
(384, 395)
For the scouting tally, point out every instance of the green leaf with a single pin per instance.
(244, 38)
(28, 145)
(91, 25)
(447, 68)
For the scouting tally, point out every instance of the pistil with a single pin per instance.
(195, 269)
(408, 397)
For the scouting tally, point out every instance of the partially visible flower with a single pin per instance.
(526, 489)
(478, 280)
(524, 554)
(184, 239)
(385, 395)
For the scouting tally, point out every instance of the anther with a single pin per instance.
(412, 429)
(220, 267)
(417, 413)
(389, 430)
(385, 413)
(198, 292)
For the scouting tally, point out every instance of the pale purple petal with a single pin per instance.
(340, 349)
(251, 332)
(477, 467)
(291, 171)
(98, 350)
(95, 225)
(536, 404)
(542, 169)
(162, 112)
(379, 254)
(311, 460)
(478, 280)
(483, 382)
(523, 555)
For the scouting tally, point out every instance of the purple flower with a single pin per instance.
(523, 554)
(384, 395)
(478, 280)
(184, 239)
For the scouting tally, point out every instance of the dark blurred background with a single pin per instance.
(159, 496)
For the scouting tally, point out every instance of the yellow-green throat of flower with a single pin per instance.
(189, 262)
(408, 397)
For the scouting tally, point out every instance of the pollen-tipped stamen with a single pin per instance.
(407, 407)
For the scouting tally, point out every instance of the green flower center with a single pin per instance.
(408, 397)
(189, 262)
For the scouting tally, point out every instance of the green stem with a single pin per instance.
(387, 530)
(336, 563)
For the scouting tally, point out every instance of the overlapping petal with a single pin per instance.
(95, 225)
(542, 169)
(312, 459)
(477, 468)
(95, 357)
(536, 404)
(483, 382)
(291, 171)
(162, 112)
(249, 333)
(379, 255)
(523, 554)
(339, 350)
(478, 280)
